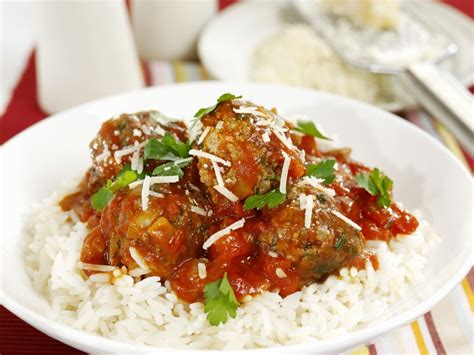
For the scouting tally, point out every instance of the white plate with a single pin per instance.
(426, 176)
(227, 44)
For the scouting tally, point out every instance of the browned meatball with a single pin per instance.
(247, 137)
(123, 132)
(168, 232)
(316, 250)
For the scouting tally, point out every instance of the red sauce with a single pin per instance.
(250, 271)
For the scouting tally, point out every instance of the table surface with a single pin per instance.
(448, 328)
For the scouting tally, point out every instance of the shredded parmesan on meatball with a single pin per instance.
(308, 211)
(284, 173)
(203, 135)
(216, 236)
(224, 191)
(200, 153)
(345, 219)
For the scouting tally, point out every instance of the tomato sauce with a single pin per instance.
(250, 270)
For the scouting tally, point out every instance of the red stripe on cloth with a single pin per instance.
(469, 159)
(22, 110)
(434, 334)
(224, 3)
(17, 337)
(372, 349)
(470, 278)
(466, 6)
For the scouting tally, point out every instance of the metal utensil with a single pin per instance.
(413, 51)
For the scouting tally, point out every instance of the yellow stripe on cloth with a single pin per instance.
(415, 327)
(451, 143)
(362, 350)
(468, 292)
(179, 73)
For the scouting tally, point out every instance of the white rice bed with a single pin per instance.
(148, 312)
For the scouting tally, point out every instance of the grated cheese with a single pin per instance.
(302, 199)
(95, 267)
(316, 183)
(155, 194)
(134, 161)
(309, 210)
(249, 110)
(194, 187)
(219, 125)
(200, 153)
(216, 236)
(217, 171)
(118, 154)
(272, 254)
(160, 130)
(345, 219)
(202, 272)
(137, 132)
(137, 258)
(284, 173)
(280, 273)
(203, 135)
(156, 180)
(199, 210)
(284, 140)
(195, 130)
(140, 166)
(146, 130)
(104, 155)
(224, 191)
(265, 137)
(145, 192)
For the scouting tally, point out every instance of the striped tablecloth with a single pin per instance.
(448, 328)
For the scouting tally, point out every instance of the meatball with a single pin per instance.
(161, 237)
(125, 131)
(254, 143)
(317, 251)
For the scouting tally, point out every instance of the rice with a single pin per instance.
(148, 312)
(298, 56)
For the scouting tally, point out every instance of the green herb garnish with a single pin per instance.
(310, 129)
(220, 301)
(272, 199)
(172, 168)
(377, 184)
(102, 197)
(341, 241)
(323, 170)
(166, 148)
(206, 110)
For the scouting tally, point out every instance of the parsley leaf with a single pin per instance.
(377, 184)
(167, 148)
(101, 198)
(323, 170)
(220, 301)
(206, 110)
(341, 241)
(310, 129)
(272, 199)
(171, 169)
(125, 177)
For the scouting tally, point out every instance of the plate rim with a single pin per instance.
(57, 330)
